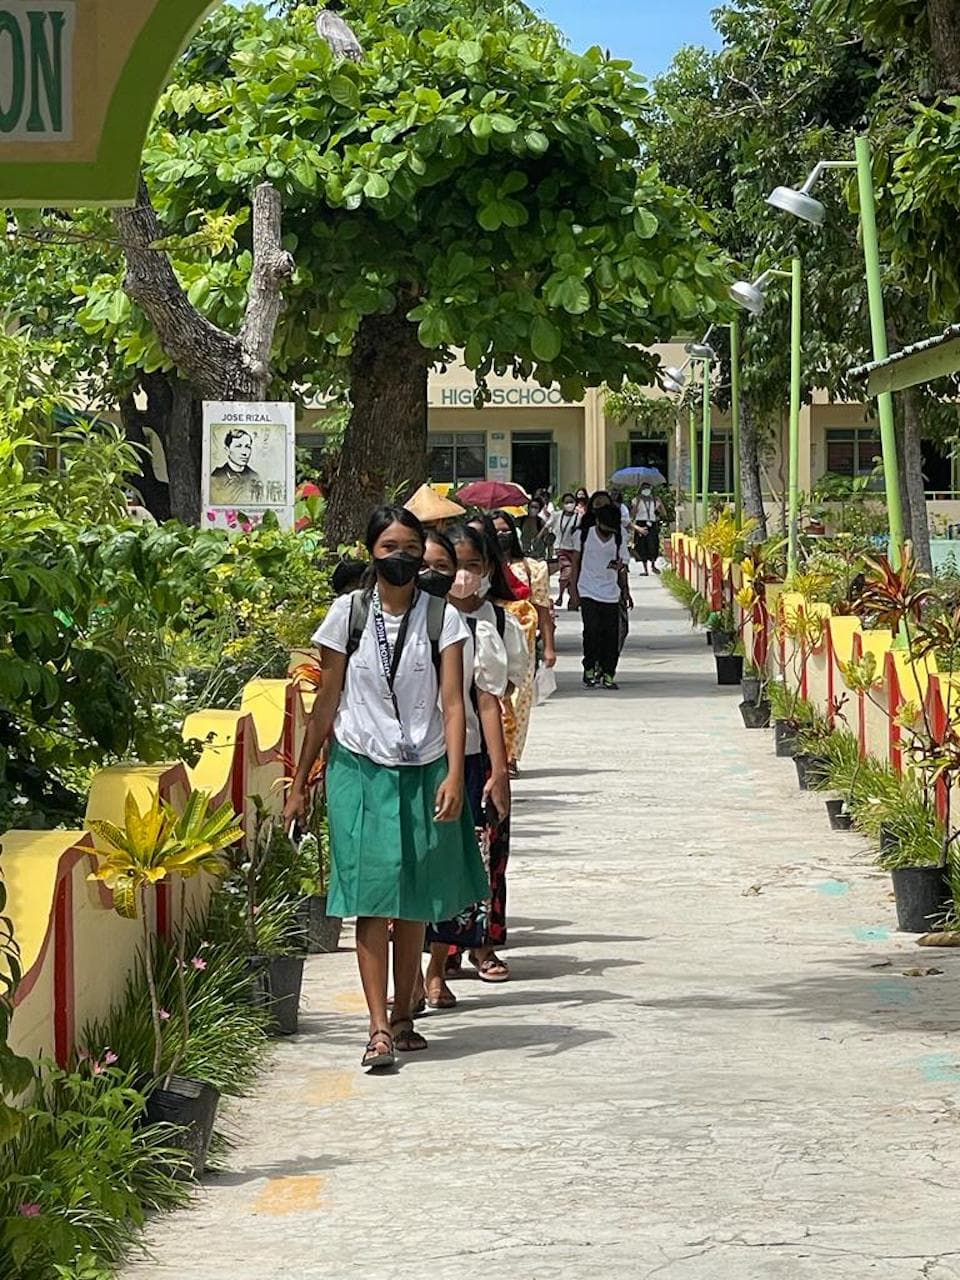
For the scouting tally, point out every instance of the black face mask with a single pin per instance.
(434, 582)
(505, 538)
(398, 569)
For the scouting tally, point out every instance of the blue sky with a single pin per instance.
(648, 32)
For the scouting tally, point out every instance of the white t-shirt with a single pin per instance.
(486, 663)
(646, 510)
(625, 518)
(519, 657)
(566, 531)
(365, 720)
(597, 581)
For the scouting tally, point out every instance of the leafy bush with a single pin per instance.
(77, 1181)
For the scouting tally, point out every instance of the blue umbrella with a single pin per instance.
(639, 475)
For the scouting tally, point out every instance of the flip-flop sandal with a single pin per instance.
(405, 1039)
(373, 1058)
(453, 966)
(446, 1000)
(493, 969)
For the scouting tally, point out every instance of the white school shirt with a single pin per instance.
(646, 510)
(519, 657)
(597, 581)
(365, 721)
(484, 662)
(566, 531)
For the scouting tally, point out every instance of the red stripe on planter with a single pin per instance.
(64, 1007)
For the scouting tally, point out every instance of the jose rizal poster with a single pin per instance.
(248, 462)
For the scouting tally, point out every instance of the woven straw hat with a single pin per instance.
(427, 505)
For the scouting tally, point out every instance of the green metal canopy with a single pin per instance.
(924, 361)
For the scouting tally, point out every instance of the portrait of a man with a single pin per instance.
(235, 481)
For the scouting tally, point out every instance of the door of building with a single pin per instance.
(650, 453)
(533, 460)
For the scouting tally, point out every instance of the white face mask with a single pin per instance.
(485, 585)
(644, 493)
(465, 585)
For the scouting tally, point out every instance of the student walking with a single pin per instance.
(402, 844)
(599, 577)
(565, 527)
(648, 512)
(488, 666)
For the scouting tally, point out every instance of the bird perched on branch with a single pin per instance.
(332, 28)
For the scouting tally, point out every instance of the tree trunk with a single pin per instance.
(943, 17)
(174, 413)
(385, 447)
(917, 529)
(154, 492)
(750, 481)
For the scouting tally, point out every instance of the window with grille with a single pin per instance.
(456, 457)
(721, 461)
(852, 451)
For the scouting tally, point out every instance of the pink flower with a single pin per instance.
(97, 1068)
(164, 1016)
(29, 1211)
(247, 527)
(211, 516)
(109, 1058)
(199, 963)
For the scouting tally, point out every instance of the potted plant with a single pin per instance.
(274, 936)
(811, 751)
(153, 846)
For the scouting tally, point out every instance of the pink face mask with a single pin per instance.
(465, 584)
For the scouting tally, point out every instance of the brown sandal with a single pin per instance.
(374, 1057)
(445, 998)
(492, 969)
(405, 1038)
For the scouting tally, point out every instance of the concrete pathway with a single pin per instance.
(711, 1063)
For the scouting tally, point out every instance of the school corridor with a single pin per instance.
(716, 1059)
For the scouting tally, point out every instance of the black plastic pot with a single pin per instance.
(321, 932)
(277, 982)
(729, 667)
(756, 715)
(809, 770)
(192, 1106)
(723, 642)
(923, 897)
(785, 738)
(840, 820)
(750, 686)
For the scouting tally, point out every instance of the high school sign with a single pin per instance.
(79, 80)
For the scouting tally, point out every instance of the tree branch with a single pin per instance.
(272, 266)
(220, 366)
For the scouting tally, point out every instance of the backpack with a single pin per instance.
(360, 611)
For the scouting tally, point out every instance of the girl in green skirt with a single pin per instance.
(402, 845)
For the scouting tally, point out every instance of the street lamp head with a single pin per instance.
(670, 385)
(799, 203)
(672, 374)
(700, 351)
(749, 296)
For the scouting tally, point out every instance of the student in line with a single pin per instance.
(487, 668)
(402, 844)
(648, 511)
(599, 577)
(565, 527)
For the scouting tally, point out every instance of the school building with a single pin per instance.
(531, 435)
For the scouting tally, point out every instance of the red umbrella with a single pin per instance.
(489, 494)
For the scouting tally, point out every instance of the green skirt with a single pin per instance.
(388, 856)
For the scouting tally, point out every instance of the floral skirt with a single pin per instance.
(485, 922)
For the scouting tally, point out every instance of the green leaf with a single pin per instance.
(545, 339)
(645, 223)
(537, 142)
(344, 91)
(481, 126)
(376, 187)
(503, 124)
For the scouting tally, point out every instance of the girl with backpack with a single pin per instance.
(402, 845)
(599, 578)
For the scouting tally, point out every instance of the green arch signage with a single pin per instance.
(79, 80)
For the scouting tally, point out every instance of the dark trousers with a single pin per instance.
(601, 635)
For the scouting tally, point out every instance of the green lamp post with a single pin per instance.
(703, 354)
(752, 297)
(802, 205)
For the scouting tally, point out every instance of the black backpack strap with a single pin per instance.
(436, 612)
(500, 613)
(359, 612)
